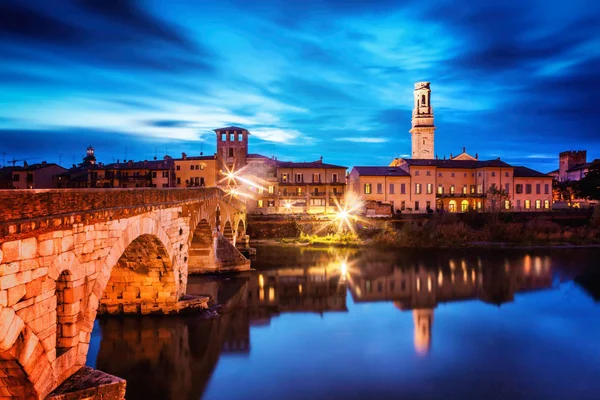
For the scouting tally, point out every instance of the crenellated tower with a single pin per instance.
(422, 130)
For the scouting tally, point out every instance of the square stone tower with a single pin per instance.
(232, 148)
(422, 130)
(568, 160)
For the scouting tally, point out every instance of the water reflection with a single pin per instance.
(174, 358)
(420, 289)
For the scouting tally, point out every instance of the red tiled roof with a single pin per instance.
(524, 172)
(381, 171)
(312, 164)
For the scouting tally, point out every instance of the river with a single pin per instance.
(374, 324)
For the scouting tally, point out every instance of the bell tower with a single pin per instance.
(232, 148)
(422, 123)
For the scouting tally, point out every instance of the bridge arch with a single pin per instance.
(240, 233)
(27, 371)
(201, 249)
(228, 231)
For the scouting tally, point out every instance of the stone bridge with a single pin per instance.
(66, 255)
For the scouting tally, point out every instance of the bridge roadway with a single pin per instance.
(66, 255)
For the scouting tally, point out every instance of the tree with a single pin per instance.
(565, 191)
(589, 186)
(496, 198)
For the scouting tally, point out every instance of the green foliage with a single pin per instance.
(595, 222)
(342, 238)
(448, 231)
(589, 186)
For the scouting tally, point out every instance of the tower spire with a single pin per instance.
(422, 130)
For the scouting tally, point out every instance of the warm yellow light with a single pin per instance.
(261, 281)
(261, 294)
(271, 294)
(344, 268)
(300, 288)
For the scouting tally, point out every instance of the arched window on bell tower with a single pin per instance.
(423, 101)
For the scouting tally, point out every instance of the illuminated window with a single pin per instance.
(527, 204)
(451, 189)
(506, 205)
(464, 189)
(284, 177)
(429, 188)
(440, 189)
(271, 189)
(464, 206)
(259, 203)
(367, 188)
(417, 188)
(298, 191)
(538, 204)
(452, 206)
(547, 204)
(479, 189)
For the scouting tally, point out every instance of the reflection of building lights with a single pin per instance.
(429, 284)
(452, 265)
(527, 264)
(537, 264)
(271, 293)
(261, 281)
(344, 268)
(261, 294)
(300, 288)
(418, 284)
(440, 278)
(473, 275)
(463, 264)
(465, 275)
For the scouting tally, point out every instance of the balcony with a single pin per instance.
(317, 194)
(458, 195)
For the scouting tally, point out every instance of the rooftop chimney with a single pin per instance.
(477, 156)
(464, 149)
(184, 156)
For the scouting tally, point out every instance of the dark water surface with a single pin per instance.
(372, 324)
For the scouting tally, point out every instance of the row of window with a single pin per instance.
(260, 203)
(528, 188)
(453, 174)
(232, 137)
(472, 189)
(192, 167)
(299, 178)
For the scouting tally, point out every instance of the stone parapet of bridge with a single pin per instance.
(66, 255)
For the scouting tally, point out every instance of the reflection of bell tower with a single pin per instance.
(423, 320)
(232, 148)
(422, 123)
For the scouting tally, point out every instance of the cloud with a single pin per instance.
(507, 76)
(362, 139)
(282, 136)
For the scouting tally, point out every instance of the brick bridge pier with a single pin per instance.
(66, 255)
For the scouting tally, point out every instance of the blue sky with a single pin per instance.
(511, 79)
